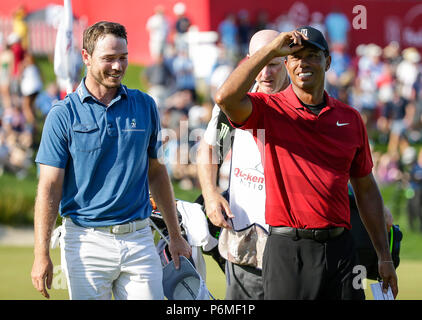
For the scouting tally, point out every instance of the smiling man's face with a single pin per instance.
(108, 63)
(307, 68)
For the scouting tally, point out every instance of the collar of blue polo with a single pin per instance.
(83, 92)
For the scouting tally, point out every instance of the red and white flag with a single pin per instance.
(63, 53)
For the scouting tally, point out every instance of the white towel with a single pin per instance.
(195, 225)
(55, 237)
(199, 261)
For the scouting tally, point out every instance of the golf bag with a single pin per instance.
(366, 253)
(187, 282)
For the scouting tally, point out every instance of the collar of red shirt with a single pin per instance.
(291, 95)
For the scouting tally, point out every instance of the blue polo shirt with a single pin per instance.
(104, 151)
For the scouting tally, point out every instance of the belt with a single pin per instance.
(321, 235)
(126, 228)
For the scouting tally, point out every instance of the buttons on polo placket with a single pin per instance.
(111, 127)
(111, 130)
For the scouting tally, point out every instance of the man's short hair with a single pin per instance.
(101, 29)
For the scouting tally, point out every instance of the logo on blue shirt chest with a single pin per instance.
(132, 125)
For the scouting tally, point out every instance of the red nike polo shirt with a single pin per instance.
(308, 159)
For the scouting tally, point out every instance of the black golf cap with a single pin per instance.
(316, 38)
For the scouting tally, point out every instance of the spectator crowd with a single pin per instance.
(384, 84)
(23, 102)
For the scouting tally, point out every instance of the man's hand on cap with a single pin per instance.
(289, 42)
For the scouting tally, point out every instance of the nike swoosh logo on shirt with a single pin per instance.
(342, 124)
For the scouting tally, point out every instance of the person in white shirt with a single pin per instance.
(158, 28)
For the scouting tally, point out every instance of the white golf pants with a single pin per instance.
(98, 263)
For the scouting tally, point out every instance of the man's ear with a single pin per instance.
(86, 57)
(327, 63)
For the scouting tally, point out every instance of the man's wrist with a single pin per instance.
(385, 258)
(209, 193)
(42, 253)
(176, 234)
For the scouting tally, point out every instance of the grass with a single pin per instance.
(394, 199)
(410, 281)
(133, 79)
(15, 274)
(16, 284)
(17, 262)
(45, 65)
(17, 199)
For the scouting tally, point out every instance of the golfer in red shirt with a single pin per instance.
(314, 145)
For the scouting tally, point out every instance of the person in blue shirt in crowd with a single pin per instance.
(98, 160)
(47, 98)
(228, 34)
(338, 26)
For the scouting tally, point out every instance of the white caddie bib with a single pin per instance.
(247, 182)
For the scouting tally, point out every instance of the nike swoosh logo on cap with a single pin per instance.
(341, 124)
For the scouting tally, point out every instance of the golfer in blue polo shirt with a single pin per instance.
(98, 161)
